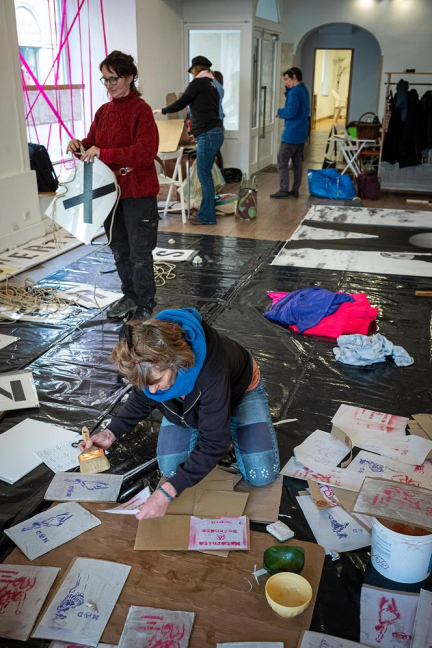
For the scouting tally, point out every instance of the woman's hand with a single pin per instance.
(157, 111)
(74, 146)
(103, 440)
(157, 504)
(91, 154)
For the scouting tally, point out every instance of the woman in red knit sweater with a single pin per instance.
(124, 136)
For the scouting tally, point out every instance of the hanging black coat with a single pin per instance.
(403, 141)
(426, 102)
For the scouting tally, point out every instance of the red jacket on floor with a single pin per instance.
(126, 133)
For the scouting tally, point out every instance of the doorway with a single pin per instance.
(264, 85)
(331, 87)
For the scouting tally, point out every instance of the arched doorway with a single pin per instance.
(365, 67)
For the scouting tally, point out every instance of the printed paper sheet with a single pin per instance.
(51, 528)
(334, 529)
(224, 533)
(251, 644)
(23, 589)
(18, 447)
(75, 487)
(411, 450)
(62, 456)
(422, 634)
(359, 423)
(320, 640)
(83, 602)
(84, 295)
(401, 502)
(335, 477)
(132, 506)
(320, 451)
(373, 465)
(5, 340)
(146, 626)
(17, 391)
(386, 617)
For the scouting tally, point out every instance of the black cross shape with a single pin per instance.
(89, 194)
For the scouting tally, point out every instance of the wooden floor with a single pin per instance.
(277, 219)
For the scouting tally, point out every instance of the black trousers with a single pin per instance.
(286, 153)
(133, 239)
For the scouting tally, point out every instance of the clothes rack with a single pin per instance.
(388, 84)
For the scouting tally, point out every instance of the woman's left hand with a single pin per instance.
(157, 111)
(156, 505)
(90, 155)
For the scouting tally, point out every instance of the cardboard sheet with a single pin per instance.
(399, 502)
(23, 589)
(251, 644)
(216, 503)
(425, 422)
(75, 487)
(386, 617)
(217, 588)
(264, 501)
(19, 443)
(422, 633)
(172, 135)
(68, 617)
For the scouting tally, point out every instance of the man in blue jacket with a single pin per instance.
(296, 115)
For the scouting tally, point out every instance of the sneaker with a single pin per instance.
(280, 194)
(121, 308)
(294, 194)
(141, 314)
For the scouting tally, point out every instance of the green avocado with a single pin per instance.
(283, 558)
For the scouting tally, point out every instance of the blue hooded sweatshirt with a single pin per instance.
(296, 114)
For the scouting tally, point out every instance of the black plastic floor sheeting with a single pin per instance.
(304, 381)
(76, 382)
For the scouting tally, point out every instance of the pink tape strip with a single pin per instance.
(44, 94)
(103, 27)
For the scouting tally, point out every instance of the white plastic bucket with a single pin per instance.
(399, 557)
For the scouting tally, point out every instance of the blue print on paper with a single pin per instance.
(374, 467)
(54, 521)
(73, 599)
(88, 485)
(338, 527)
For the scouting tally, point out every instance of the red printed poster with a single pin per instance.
(224, 533)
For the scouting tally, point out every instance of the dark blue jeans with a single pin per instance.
(208, 145)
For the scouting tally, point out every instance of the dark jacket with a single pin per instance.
(402, 142)
(223, 380)
(296, 115)
(203, 98)
(426, 102)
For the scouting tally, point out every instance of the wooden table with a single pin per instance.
(228, 603)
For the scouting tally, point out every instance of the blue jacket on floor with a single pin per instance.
(296, 114)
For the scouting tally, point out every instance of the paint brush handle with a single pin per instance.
(423, 293)
(85, 434)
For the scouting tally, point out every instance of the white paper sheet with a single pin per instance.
(67, 644)
(358, 422)
(412, 450)
(399, 502)
(17, 391)
(336, 476)
(373, 465)
(320, 451)
(49, 314)
(422, 633)
(334, 529)
(147, 626)
(23, 589)
(62, 456)
(132, 506)
(68, 618)
(75, 487)
(386, 617)
(5, 340)
(43, 532)
(18, 447)
(84, 295)
(320, 640)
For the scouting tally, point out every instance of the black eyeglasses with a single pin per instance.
(111, 80)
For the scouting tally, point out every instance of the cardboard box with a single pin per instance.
(172, 135)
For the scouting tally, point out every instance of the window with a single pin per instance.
(222, 47)
(268, 10)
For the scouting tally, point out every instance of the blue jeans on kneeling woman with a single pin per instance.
(208, 145)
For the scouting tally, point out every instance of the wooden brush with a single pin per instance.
(93, 460)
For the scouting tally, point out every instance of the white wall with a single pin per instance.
(402, 27)
(19, 207)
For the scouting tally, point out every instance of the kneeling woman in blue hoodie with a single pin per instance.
(210, 393)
